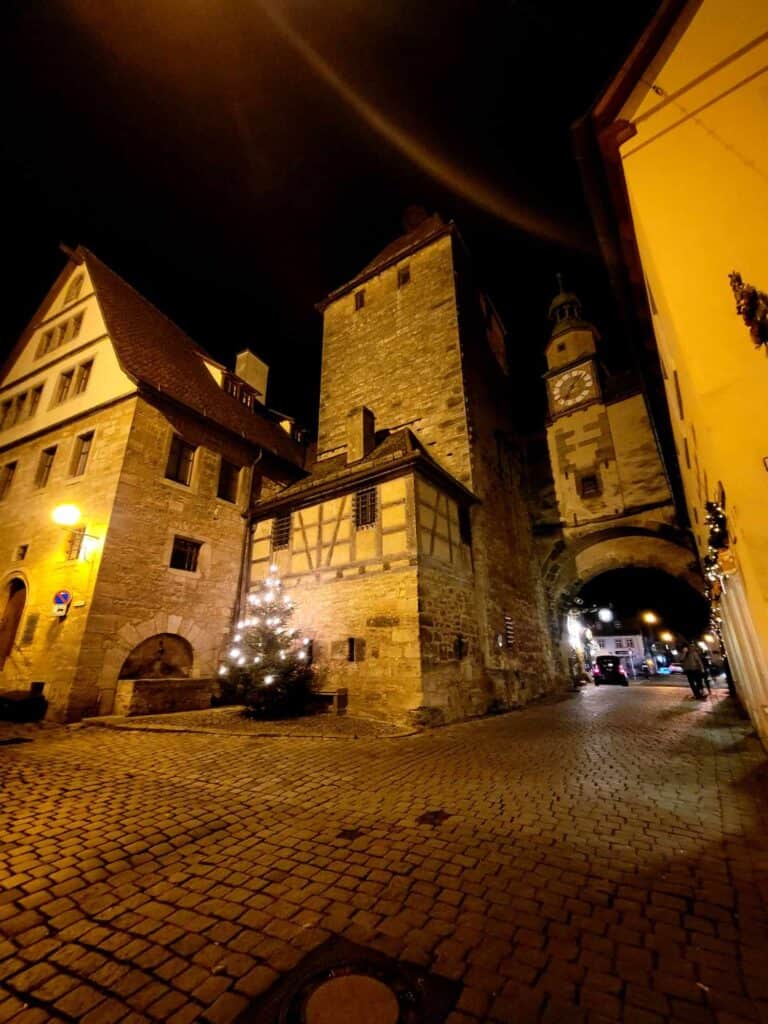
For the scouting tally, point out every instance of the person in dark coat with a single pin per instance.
(693, 667)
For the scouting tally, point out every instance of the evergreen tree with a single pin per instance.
(266, 665)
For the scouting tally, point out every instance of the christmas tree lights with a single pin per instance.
(266, 664)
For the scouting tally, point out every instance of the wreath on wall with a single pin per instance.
(752, 307)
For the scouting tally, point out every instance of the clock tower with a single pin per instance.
(602, 449)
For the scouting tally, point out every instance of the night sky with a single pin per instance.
(236, 160)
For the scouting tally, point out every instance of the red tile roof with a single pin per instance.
(154, 352)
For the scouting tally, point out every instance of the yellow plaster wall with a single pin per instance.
(697, 176)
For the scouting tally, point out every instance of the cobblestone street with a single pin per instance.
(603, 858)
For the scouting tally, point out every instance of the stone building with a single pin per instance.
(675, 166)
(409, 546)
(148, 451)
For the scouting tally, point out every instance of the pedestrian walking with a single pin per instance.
(693, 667)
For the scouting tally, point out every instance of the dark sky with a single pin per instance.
(680, 609)
(236, 160)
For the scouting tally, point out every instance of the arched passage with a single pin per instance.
(15, 598)
(163, 656)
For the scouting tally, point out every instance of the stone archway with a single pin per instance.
(642, 551)
(162, 656)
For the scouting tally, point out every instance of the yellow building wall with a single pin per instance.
(697, 177)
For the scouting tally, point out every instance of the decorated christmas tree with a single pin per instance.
(266, 665)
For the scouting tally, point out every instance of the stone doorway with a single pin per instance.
(163, 656)
(16, 599)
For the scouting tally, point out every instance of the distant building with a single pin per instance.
(109, 409)
(408, 549)
(676, 168)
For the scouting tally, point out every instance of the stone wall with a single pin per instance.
(137, 594)
(399, 355)
(160, 696)
(47, 648)
(379, 609)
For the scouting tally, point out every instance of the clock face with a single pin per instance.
(571, 388)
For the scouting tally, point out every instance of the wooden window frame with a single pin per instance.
(180, 454)
(366, 507)
(281, 531)
(231, 492)
(44, 466)
(185, 551)
(7, 474)
(81, 453)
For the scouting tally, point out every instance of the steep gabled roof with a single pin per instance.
(157, 354)
(395, 453)
(427, 231)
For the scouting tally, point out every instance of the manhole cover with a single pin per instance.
(354, 999)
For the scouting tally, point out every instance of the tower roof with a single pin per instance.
(565, 312)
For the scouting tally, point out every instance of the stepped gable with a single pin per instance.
(154, 352)
(394, 453)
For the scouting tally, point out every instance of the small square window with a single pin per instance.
(360, 299)
(365, 507)
(63, 388)
(561, 347)
(21, 552)
(281, 531)
(403, 276)
(180, 459)
(83, 376)
(185, 554)
(44, 466)
(589, 485)
(80, 453)
(229, 480)
(7, 474)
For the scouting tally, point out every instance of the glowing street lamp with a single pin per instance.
(605, 614)
(650, 617)
(666, 637)
(66, 515)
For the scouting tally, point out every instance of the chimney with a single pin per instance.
(253, 371)
(360, 433)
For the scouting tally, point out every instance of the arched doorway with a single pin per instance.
(16, 598)
(163, 656)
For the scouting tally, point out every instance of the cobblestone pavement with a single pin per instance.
(604, 858)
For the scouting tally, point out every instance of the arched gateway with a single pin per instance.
(614, 506)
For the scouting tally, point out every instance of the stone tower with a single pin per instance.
(410, 545)
(605, 459)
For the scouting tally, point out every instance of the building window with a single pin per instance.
(403, 276)
(44, 466)
(21, 552)
(75, 543)
(678, 394)
(7, 474)
(5, 413)
(687, 451)
(63, 387)
(12, 410)
(360, 299)
(82, 376)
(281, 531)
(561, 347)
(180, 459)
(589, 485)
(75, 287)
(365, 507)
(64, 331)
(229, 480)
(509, 632)
(80, 453)
(185, 554)
(34, 400)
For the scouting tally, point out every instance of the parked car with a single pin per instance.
(608, 669)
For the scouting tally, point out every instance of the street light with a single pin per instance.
(605, 614)
(650, 617)
(66, 515)
(666, 636)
